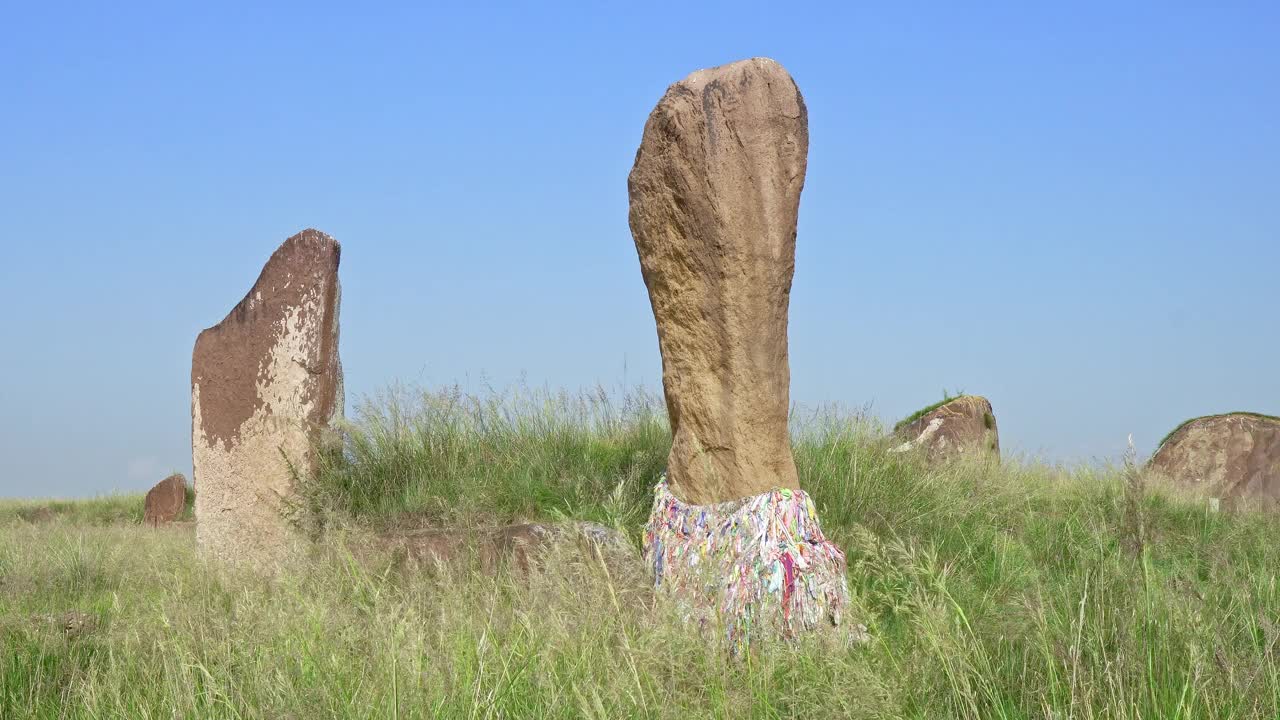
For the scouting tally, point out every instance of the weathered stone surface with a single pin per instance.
(1234, 456)
(715, 192)
(962, 426)
(265, 383)
(166, 501)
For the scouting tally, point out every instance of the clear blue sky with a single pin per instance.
(1073, 209)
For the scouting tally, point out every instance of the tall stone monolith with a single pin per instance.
(715, 193)
(266, 383)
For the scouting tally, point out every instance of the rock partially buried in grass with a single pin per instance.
(715, 191)
(37, 515)
(522, 547)
(1235, 456)
(266, 382)
(166, 501)
(963, 426)
(72, 624)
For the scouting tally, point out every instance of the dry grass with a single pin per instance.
(1005, 591)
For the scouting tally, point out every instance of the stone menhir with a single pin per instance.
(963, 426)
(715, 193)
(266, 383)
(166, 501)
(1234, 457)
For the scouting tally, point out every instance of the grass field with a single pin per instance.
(1012, 591)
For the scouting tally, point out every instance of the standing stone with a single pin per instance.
(166, 501)
(732, 541)
(715, 193)
(963, 426)
(1233, 457)
(265, 383)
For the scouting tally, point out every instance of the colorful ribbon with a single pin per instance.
(756, 566)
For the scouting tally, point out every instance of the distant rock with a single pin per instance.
(960, 426)
(1233, 456)
(266, 383)
(166, 501)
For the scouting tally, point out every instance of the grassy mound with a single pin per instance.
(446, 457)
(115, 509)
(123, 508)
(1006, 592)
(946, 398)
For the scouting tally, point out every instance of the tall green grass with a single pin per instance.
(105, 510)
(450, 457)
(991, 591)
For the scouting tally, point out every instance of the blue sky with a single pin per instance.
(1073, 209)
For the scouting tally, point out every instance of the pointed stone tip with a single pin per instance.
(313, 235)
(310, 250)
(758, 60)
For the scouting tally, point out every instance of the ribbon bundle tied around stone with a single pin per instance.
(756, 567)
